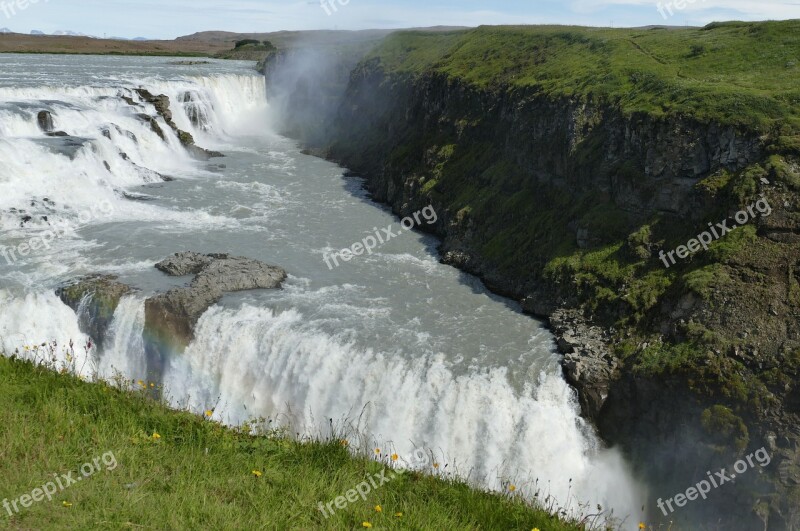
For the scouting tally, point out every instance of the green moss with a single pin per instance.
(639, 242)
(705, 280)
(738, 241)
(715, 183)
(782, 171)
(646, 291)
(660, 358)
(744, 185)
(429, 186)
(725, 427)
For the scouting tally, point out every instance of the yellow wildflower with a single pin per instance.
(156, 436)
(366, 524)
(209, 413)
(66, 504)
(642, 525)
(378, 508)
(400, 515)
(257, 473)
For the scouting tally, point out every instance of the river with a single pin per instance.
(395, 349)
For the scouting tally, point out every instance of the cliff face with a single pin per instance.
(547, 199)
(562, 162)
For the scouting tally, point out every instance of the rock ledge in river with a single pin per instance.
(171, 317)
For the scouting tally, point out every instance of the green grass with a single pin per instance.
(733, 73)
(199, 475)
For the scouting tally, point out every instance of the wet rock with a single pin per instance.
(160, 102)
(588, 364)
(106, 132)
(162, 105)
(45, 121)
(153, 125)
(170, 318)
(94, 299)
(187, 263)
(203, 154)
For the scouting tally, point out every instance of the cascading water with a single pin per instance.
(395, 345)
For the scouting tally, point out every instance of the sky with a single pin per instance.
(167, 19)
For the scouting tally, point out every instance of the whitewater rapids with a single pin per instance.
(397, 350)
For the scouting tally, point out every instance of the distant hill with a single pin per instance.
(39, 43)
(283, 39)
(206, 43)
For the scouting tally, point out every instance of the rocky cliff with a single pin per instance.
(565, 202)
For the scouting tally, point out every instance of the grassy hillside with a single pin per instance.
(174, 470)
(738, 73)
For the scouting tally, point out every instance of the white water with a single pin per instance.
(397, 347)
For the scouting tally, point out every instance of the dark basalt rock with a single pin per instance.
(45, 121)
(162, 105)
(94, 299)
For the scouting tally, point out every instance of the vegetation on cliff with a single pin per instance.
(733, 72)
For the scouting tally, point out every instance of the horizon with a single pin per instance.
(112, 18)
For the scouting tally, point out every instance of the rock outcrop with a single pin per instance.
(171, 317)
(588, 362)
(162, 106)
(94, 299)
(45, 122)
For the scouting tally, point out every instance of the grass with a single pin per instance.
(176, 470)
(734, 73)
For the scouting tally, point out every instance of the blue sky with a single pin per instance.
(171, 18)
